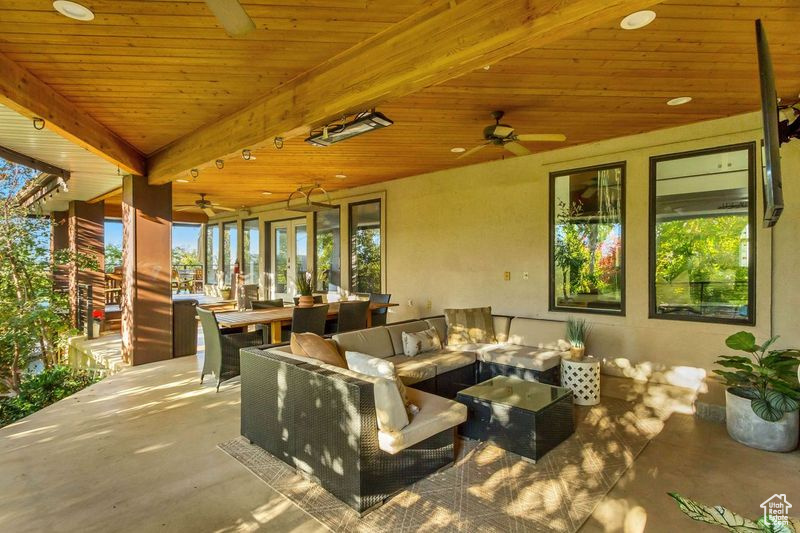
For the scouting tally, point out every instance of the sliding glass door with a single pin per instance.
(288, 256)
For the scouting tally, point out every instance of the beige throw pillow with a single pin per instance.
(421, 342)
(469, 326)
(313, 346)
(391, 404)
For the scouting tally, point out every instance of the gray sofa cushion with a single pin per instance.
(396, 333)
(412, 369)
(447, 360)
(501, 327)
(373, 341)
(521, 357)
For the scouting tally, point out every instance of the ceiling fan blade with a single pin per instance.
(516, 148)
(184, 207)
(473, 150)
(208, 211)
(542, 137)
(232, 16)
(589, 192)
(220, 208)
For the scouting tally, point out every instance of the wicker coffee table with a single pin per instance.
(523, 417)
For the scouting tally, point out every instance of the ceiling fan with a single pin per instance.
(503, 135)
(232, 16)
(207, 206)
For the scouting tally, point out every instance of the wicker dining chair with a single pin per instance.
(352, 316)
(309, 319)
(250, 294)
(222, 350)
(379, 315)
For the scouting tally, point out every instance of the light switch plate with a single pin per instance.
(507, 276)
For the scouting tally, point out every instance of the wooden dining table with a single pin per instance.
(278, 316)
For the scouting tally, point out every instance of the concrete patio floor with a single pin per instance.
(138, 452)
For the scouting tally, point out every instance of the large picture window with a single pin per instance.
(229, 244)
(587, 240)
(212, 253)
(365, 247)
(327, 250)
(702, 249)
(250, 248)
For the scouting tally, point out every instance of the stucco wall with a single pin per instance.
(450, 236)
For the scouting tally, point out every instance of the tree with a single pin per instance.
(113, 257)
(33, 316)
(184, 256)
(366, 273)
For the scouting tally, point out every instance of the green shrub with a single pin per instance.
(40, 390)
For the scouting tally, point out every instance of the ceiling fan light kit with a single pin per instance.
(503, 135)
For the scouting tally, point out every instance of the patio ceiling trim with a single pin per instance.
(26, 94)
(440, 42)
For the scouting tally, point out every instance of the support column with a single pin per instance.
(59, 240)
(86, 223)
(146, 271)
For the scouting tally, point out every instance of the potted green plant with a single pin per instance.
(577, 333)
(304, 288)
(762, 395)
(225, 292)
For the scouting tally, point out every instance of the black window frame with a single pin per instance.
(235, 249)
(350, 207)
(752, 230)
(206, 264)
(622, 165)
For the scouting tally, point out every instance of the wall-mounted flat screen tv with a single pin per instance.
(773, 188)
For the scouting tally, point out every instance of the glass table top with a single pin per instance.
(516, 392)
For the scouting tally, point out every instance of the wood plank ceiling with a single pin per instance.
(154, 71)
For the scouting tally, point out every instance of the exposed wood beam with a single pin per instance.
(115, 211)
(31, 162)
(436, 44)
(106, 195)
(26, 94)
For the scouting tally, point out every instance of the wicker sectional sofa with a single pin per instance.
(322, 420)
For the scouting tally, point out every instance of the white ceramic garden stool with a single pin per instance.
(583, 378)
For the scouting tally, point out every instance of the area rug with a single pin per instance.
(488, 489)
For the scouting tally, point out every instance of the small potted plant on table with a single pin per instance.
(763, 394)
(304, 288)
(98, 316)
(577, 332)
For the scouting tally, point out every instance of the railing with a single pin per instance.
(187, 276)
(85, 310)
(721, 299)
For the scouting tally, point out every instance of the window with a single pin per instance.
(327, 250)
(212, 253)
(702, 262)
(587, 240)
(229, 244)
(250, 249)
(365, 246)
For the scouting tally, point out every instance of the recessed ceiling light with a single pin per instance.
(266, 193)
(680, 100)
(458, 150)
(73, 10)
(340, 176)
(181, 180)
(637, 20)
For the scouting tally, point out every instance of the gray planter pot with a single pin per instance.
(746, 427)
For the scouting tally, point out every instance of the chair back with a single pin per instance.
(267, 304)
(317, 299)
(309, 319)
(250, 294)
(379, 315)
(352, 315)
(212, 361)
